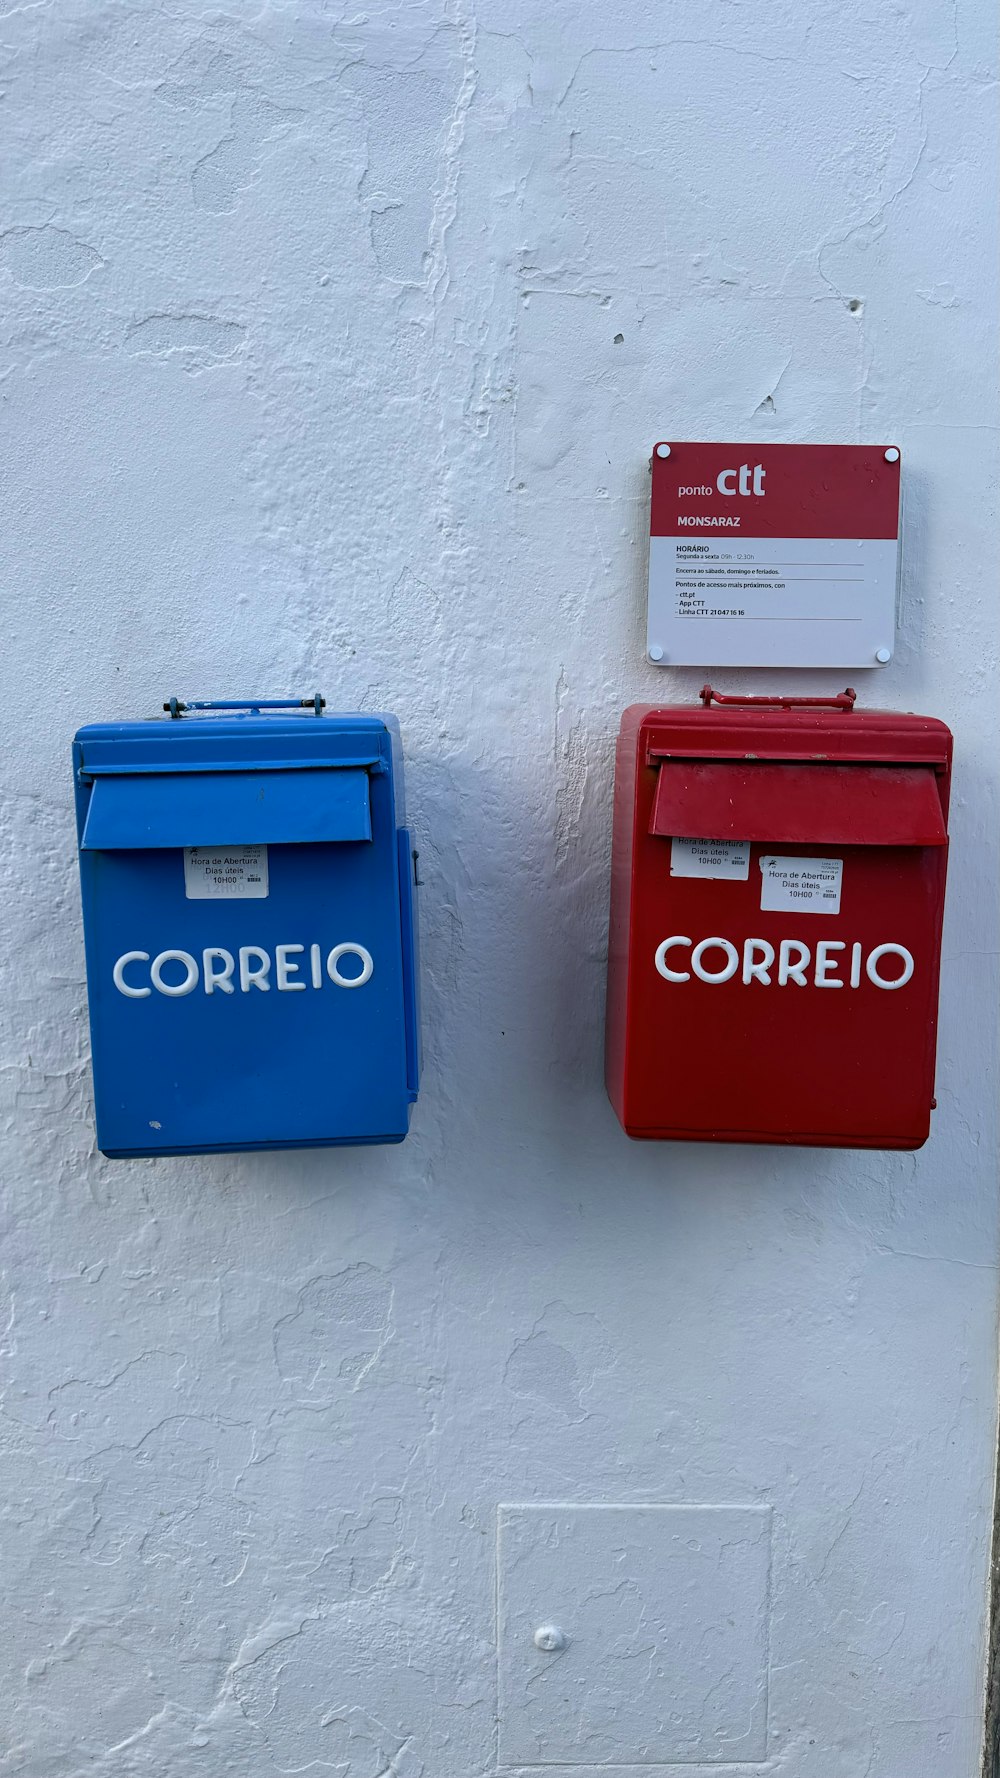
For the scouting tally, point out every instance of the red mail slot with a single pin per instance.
(778, 874)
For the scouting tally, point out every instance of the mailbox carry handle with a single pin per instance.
(844, 700)
(176, 709)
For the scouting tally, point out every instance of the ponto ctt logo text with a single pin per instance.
(743, 480)
(743, 476)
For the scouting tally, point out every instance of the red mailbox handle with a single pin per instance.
(844, 700)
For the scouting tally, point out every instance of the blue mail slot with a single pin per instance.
(250, 930)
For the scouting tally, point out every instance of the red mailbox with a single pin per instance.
(778, 874)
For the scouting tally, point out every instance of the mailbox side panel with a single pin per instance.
(617, 1023)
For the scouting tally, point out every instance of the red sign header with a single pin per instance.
(768, 490)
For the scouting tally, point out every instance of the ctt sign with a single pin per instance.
(780, 555)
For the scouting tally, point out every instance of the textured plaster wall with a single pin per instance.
(335, 342)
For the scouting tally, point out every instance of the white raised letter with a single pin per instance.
(218, 978)
(190, 981)
(744, 478)
(671, 975)
(759, 473)
(721, 479)
(755, 969)
(316, 965)
(257, 977)
(283, 969)
(349, 981)
(880, 951)
(825, 963)
(720, 975)
(118, 976)
(855, 966)
(789, 971)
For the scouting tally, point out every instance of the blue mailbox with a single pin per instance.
(250, 929)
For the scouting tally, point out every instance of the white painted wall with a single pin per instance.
(336, 339)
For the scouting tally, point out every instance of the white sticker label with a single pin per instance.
(225, 873)
(801, 885)
(727, 859)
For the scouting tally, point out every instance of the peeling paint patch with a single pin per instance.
(940, 296)
(558, 1361)
(338, 1332)
(204, 338)
(540, 1368)
(221, 176)
(47, 258)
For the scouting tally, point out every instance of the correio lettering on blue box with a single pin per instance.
(250, 929)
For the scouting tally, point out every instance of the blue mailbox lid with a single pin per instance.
(167, 783)
(236, 1068)
(242, 808)
(246, 742)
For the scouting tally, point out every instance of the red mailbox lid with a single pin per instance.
(804, 803)
(813, 775)
(770, 730)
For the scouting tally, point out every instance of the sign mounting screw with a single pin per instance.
(663, 450)
(892, 456)
(655, 652)
(882, 655)
(550, 1639)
